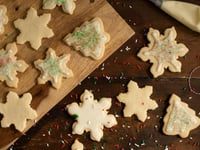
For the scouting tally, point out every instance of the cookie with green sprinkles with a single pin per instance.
(9, 65)
(53, 68)
(90, 38)
(180, 119)
(68, 6)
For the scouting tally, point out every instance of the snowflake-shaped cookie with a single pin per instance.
(163, 51)
(53, 68)
(137, 101)
(91, 115)
(3, 18)
(17, 110)
(9, 65)
(33, 28)
(90, 38)
(68, 6)
(180, 119)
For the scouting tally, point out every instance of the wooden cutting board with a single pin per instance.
(44, 96)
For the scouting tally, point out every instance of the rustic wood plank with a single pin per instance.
(45, 97)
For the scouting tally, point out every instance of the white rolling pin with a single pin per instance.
(186, 13)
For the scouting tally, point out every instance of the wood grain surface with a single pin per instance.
(45, 97)
(53, 132)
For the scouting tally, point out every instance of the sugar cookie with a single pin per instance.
(3, 18)
(9, 65)
(77, 145)
(90, 38)
(91, 115)
(33, 28)
(17, 110)
(68, 6)
(180, 119)
(137, 101)
(163, 51)
(53, 68)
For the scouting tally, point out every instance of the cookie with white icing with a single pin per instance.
(68, 6)
(91, 115)
(90, 38)
(163, 51)
(9, 65)
(53, 68)
(179, 119)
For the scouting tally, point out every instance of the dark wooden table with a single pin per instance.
(53, 132)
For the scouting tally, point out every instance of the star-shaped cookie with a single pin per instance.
(9, 65)
(3, 18)
(90, 38)
(180, 119)
(53, 68)
(91, 115)
(163, 51)
(68, 6)
(137, 101)
(17, 110)
(33, 28)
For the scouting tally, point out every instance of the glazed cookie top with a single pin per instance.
(163, 51)
(90, 38)
(68, 6)
(53, 68)
(91, 115)
(9, 65)
(17, 110)
(3, 18)
(180, 119)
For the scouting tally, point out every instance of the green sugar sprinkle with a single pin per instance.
(60, 1)
(94, 147)
(86, 38)
(52, 66)
(137, 130)
(75, 116)
(48, 2)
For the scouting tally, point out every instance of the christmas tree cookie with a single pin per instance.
(90, 38)
(180, 119)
